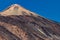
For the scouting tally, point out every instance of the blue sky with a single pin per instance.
(47, 8)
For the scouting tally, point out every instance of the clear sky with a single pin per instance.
(47, 8)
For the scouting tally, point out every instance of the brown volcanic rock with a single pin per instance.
(17, 23)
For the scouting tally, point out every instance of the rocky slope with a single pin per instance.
(17, 23)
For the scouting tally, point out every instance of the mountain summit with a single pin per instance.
(18, 23)
(16, 9)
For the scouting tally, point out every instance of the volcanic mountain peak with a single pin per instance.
(16, 9)
(17, 23)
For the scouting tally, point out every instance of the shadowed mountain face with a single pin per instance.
(16, 23)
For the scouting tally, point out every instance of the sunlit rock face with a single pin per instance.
(15, 9)
(17, 23)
